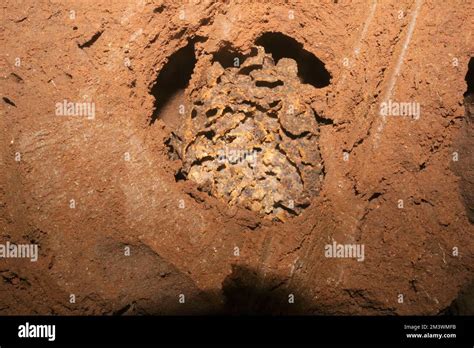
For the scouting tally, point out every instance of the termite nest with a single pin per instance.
(250, 139)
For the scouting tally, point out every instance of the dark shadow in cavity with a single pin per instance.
(91, 41)
(464, 302)
(9, 101)
(269, 84)
(464, 145)
(470, 78)
(173, 78)
(248, 292)
(322, 121)
(311, 70)
(179, 176)
(228, 57)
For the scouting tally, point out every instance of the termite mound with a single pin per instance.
(249, 137)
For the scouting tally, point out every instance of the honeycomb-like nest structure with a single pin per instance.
(250, 140)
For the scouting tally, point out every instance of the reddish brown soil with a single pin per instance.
(191, 249)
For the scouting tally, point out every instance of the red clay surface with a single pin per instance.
(182, 241)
